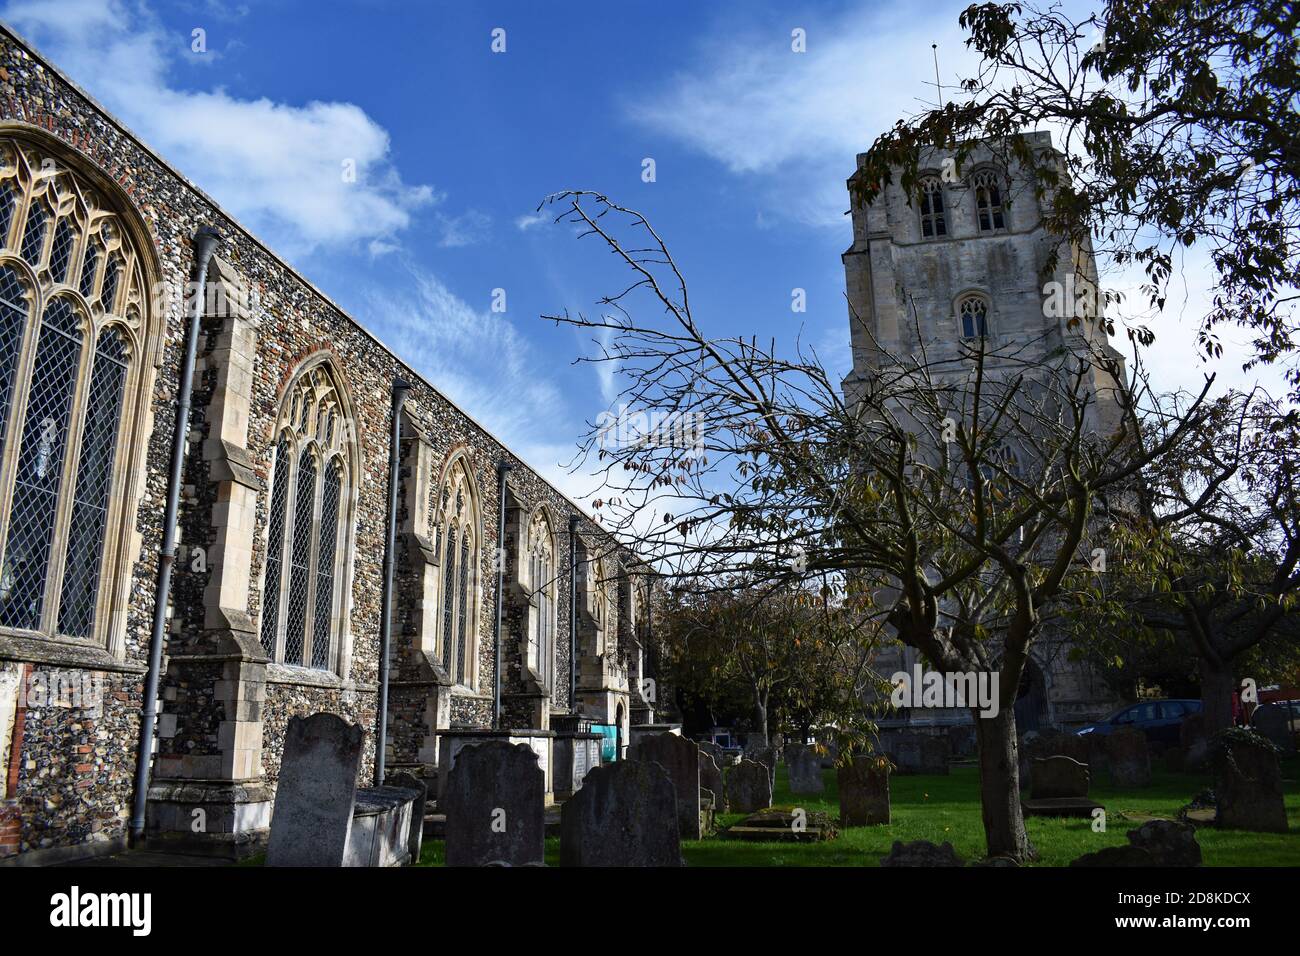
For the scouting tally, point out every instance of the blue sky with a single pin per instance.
(456, 145)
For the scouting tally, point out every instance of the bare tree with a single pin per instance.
(953, 505)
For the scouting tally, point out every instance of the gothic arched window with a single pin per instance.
(69, 357)
(458, 523)
(973, 315)
(933, 220)
(990, 204)
(541, 616)
(307, 527)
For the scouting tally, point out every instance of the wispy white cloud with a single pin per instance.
(531, 221)
(300, 175)
(792, 123)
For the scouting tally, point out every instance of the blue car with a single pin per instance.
(1160, 720)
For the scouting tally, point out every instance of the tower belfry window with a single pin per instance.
(933, 218)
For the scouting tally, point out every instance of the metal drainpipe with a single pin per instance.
(401, 388)
(573, 614)
(205, 243)
(503, 469)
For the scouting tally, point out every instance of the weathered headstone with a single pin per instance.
(905, 749)
(495, 805)
(921, 853)
(934, 755)
(624, 815)
(749, 787)
(1129, 758)
(1059, 776)
(1168, 842)
(408, 781)
(803, 765)
(961, 740)
(711, 780)
(864, 791)
(1273, 722)
(1194, 742)
(768, 757)
(1160, 843)
(315, 792)
(681, 758)
(1248, 783)
(1059, 788)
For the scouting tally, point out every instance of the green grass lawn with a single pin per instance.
(947, 808)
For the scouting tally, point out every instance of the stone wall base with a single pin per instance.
(208, 817)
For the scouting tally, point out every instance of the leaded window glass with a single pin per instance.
(13, 323)
(448, 588)
(300, 565)
(541, 618)
(65, 373)
(989, 206)
(34, 234)
(461, 607)
(94, 480)
(275, 545)
(458, 596)
(329, 529)
(25, 572)
(307, 527)
(973, 310)
(61, 251)
(933, 222)
(7, 203)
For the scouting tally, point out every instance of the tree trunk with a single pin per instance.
(760, 715)
(1216, 696)
(1004, 824)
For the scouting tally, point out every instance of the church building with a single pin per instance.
(513, 613)
(967, 258)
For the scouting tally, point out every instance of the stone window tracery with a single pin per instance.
(973, 315)
(307, 525)
(69, 358)
(934, 223)
(541, 615)
(990, 204)
(458, 524)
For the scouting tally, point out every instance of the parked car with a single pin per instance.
(1291, 710)
(1160, 720)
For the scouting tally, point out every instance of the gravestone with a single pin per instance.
(315, 793)
(749, 787)
(768, 757)
(905, 750)
(408, 781)
(713, 750)
(934, 755)
(1059, 776)
(921, 853)
(680, 757)
(864, 791)
(1129, 759)
(1194, 742)
(711, 780)
(1273, 722)
(1059, 788)
(494, 800)
(624, 815)
(1248, 783)
(1168, 842)
(1161, 843)
(804, 767)
(961, 740)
